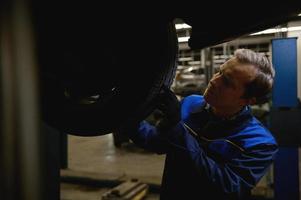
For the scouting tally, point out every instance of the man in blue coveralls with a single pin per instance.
(215, 148)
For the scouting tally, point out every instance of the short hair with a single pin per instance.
(261, 86)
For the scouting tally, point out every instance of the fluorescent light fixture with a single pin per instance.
(194, 62)
(299, 14)
(277, 30)
(183, 39)
(185, 59)
(182, 26)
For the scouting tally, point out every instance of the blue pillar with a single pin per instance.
(286, 173)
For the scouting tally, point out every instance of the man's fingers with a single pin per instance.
(162, 107)
(167, 96)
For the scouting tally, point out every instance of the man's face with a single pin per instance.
(226, 88)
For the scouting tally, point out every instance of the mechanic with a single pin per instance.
(215, 148)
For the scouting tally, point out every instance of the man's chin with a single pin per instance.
(206, 97)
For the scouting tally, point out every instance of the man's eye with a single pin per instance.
(226, 81)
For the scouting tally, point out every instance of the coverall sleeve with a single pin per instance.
(148, 137)
(234, 175)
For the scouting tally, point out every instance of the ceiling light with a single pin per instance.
(277, 30)
(183, 39)
(182, 26)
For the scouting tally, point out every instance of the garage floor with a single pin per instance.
(99, 159)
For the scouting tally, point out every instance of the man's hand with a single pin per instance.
(169, 105)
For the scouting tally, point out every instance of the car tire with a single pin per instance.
(81, 94)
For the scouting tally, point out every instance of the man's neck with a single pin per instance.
(226, 113)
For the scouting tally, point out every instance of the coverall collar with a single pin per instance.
(244, 110)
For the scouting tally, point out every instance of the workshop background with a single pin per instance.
(95, 165)
(39, 160)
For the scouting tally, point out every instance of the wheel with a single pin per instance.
(93, 79)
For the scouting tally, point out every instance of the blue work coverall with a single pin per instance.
(208, 157)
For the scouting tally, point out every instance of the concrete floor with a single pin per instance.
(82, 192)
(98, 157)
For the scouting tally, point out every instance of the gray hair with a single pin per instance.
(261, 86)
